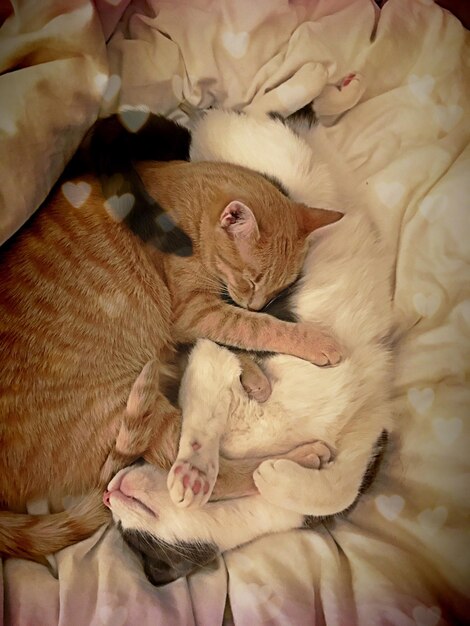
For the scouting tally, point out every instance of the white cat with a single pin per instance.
(347, 285)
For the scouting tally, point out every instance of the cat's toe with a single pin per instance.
(335, 357)
(268, 478)
(320, 347)
(322, 451)
(188, 485)
(328, 357)
(331, 354)
(314, 455)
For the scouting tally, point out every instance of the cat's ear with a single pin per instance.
(311, 219)
(239, 221)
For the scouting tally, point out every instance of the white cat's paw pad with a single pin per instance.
(190, 486)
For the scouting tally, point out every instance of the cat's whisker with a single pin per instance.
(169, 551)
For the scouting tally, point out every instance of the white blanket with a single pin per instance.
(401, 557)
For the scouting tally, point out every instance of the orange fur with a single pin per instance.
(89, 315)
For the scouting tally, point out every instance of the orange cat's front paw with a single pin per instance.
(320, 348)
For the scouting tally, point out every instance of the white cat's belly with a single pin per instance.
(307, 404)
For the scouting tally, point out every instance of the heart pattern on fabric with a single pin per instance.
(426, 304)
(432, 520)
(426, 616)
(109, 614)
(101, 82)
(390, 194)
(448, 116)
(112, 88)
(119, 207)
(8, 125)
(433, 206)
(134, 118)
(389, 507)
(76, 193)
(421, 86)
(447, 430)
(236, 44)
(421, 399)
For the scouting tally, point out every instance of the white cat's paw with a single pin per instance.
(275, 480)
(287, 482)
(191, 482)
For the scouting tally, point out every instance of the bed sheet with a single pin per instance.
(402, 556)
(53, 70)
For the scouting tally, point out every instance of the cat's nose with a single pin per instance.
(256, 303)
(106, 496)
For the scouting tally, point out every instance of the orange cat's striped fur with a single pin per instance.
(86, 310)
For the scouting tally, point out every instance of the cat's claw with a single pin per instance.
(189, 485)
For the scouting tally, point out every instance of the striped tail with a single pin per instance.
(110, 150)
(35, 536)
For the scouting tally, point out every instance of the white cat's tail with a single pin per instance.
(35, 536)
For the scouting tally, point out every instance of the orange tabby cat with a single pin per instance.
(88, 313)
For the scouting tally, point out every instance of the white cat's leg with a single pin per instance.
(325, 491)
(205, 398)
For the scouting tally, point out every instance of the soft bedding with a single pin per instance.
(402, 556)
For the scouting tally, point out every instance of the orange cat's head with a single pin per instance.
(259, 242)
(248, 234)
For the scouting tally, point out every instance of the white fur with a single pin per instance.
(347, 286)
(211, 378)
